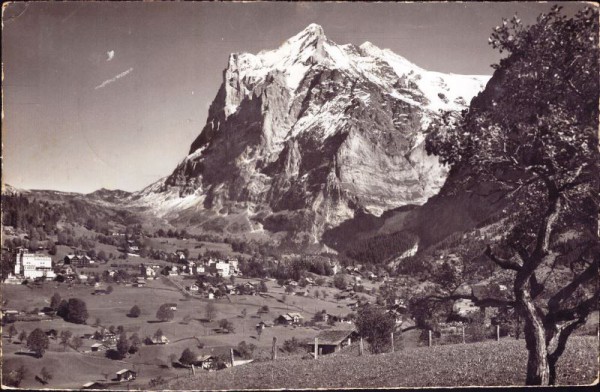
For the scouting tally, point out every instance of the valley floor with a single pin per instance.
(478, 364)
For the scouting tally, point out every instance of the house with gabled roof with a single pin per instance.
(331, 341)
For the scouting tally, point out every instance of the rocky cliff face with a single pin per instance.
(302, 137)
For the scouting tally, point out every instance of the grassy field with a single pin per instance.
(112, 309)
(482, 364)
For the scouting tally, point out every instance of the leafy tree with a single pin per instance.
(135, 311)
(45, 375)
(226, 325)
(291, 345)
(76, 311)
(246, 350)
(158, 334)
(15, 377)
(289, 289)
(262, 287)
(259, 331)
(172, 357)
(22, 336)
(122, 345)
(339, 281)
(135, 342)
(109, 289)
(211, 311)
(76, 343)
(65, 336)
(244, 313)
(12, 331)
(38, 342)
(165, 313)
(375, 326)
(533, 135)
(188, 357)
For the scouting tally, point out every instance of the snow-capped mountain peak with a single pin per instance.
(312, 132)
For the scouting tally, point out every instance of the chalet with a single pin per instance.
(98, 347)
(126, 375)
(78, 260)
(263, 325)
(289, 319)
(162, 339)
(194, 288)
(139, 283)
(331, 341)
(284, 319)
(230, 289)
(147, 271)
(204, 361)
(172, 306)
(52, 333)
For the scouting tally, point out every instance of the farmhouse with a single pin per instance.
(32, 265)
(98, 347)
(331, 341)
(78, 260)
(289, 319)
(162, 339)
(204, 361)
(126, 375)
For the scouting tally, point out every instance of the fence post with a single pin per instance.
(274, 350)
(193, 369)
(430, 338)
(392, 337)
(316, 347)
(360, 347)
(231, 356)
(497, 333)
(463, 334)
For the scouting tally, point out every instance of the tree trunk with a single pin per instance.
(538, 369)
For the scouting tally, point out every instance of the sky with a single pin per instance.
(112, 94)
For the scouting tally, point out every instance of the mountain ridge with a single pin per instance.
(315, 131)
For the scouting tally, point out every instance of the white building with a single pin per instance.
(223, 268)
(234, 264)
(32, 265)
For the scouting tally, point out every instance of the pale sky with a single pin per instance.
(112, 94)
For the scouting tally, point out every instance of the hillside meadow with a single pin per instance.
(477, 364)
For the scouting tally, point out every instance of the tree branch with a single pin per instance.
(583, 309)
(589, 273)
(503, 263)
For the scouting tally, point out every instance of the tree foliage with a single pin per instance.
(38, 342)
(188, 357)
(76, 311)
(135, 311)
(375, 326)
(532, 134)
(123, 345)
(165, 313)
